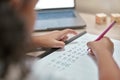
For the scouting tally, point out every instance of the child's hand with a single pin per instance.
(54, 39)
(101, 47)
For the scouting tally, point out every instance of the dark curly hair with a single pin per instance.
(13, 37)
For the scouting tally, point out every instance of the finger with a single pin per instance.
(68, 31)
(64, 38)
(106, 39)
(55, 31)
(90, 50)
(89, 44)
(59, 44)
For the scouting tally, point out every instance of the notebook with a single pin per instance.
(72, 62)
(57, 14)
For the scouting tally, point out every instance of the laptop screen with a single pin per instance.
(53, 4)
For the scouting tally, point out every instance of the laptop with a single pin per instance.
(72, 62)
(57, 14)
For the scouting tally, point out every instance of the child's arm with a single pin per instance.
(103, 49)
(54, 39)
(108, 70)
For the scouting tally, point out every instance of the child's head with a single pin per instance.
(16, 20)
(26, 10)
(16, 24)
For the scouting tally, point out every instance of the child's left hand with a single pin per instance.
(54, 39)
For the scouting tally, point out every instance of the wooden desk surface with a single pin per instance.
(93, 28)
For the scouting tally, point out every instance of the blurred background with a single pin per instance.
(98, 6)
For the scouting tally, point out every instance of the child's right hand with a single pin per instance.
(101, 47)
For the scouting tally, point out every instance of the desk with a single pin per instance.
(93, 28)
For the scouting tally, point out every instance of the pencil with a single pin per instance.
(104, 32)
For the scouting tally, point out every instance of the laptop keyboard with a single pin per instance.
(55, 14)
(43, 24)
